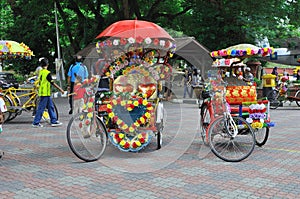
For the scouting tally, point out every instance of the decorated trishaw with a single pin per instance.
(240, 99)
(124, 106)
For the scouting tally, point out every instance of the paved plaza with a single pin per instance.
(39, 164)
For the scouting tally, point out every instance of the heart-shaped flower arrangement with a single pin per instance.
(129, 115)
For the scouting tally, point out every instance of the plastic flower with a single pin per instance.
(135, 103)
(145, 102)
(111, 115)
(148, 40)
(90, 105)
(131, 129)
(90, 115)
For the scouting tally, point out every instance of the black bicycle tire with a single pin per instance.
(219, 155)
(270, 97)
(265, 137)
(203, 111)
(7, 114)
(73, 148)
(297, 95)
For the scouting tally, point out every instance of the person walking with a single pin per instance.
(75, 69)
(187, 78)
(44, 92)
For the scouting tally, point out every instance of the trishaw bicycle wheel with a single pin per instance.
(87, 136)
(204, 122)
(261, 135)
(297, 95)
(227, 147)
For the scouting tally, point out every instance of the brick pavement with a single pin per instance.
(38, 163)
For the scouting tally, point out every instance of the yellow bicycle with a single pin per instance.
(18, 100)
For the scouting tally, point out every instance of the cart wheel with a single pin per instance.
(160, 127)
(87, 142)
(204, 122)
(261, 135)
(226, 147)
(297, 95)
(159, 140)
(273, 97)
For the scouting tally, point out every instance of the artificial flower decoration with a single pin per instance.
(257, 116)
(143, 113)
(243, 50)
(126, 143)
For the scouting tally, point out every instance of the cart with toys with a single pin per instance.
(241, 95)
(125, 107)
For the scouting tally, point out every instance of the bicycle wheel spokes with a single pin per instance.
(261, 135)
(228, 148)
(87, 137)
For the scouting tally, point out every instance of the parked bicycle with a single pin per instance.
(18, 100)
(282, 94)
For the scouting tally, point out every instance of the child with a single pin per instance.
(2, 110)
(78, 97)
(45, 82)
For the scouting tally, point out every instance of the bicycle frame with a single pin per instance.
(30, 92)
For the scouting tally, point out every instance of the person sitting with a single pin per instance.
(249, 78)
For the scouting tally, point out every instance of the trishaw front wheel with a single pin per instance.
(227, 147)
(261, 135)
(87, 136)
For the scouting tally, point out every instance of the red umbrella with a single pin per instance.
(135, 29)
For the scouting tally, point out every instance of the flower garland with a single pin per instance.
(87, 117)
(130, 105)
(241, 53)
(147, 42)
(125, 143)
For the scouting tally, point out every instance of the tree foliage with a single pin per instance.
(214, 23)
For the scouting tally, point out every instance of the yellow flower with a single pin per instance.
(145, 102)
(90, 105)
(135, 103)
(162, 76)
(136, 124)
(147, 114)
(142, 120)
(84, 106)
(121, 135)
(129, 102)
(107, 74)
(114, 102)
(123, 103)
(131, 129)
(138, 143)
(140, 136)
(129, 109)
(149, 108)
(122, 143)
(111, 115)
(90, 115)
(166, 69)
(81, 117)
(109, 106)
(119, 121)
(125, 126)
